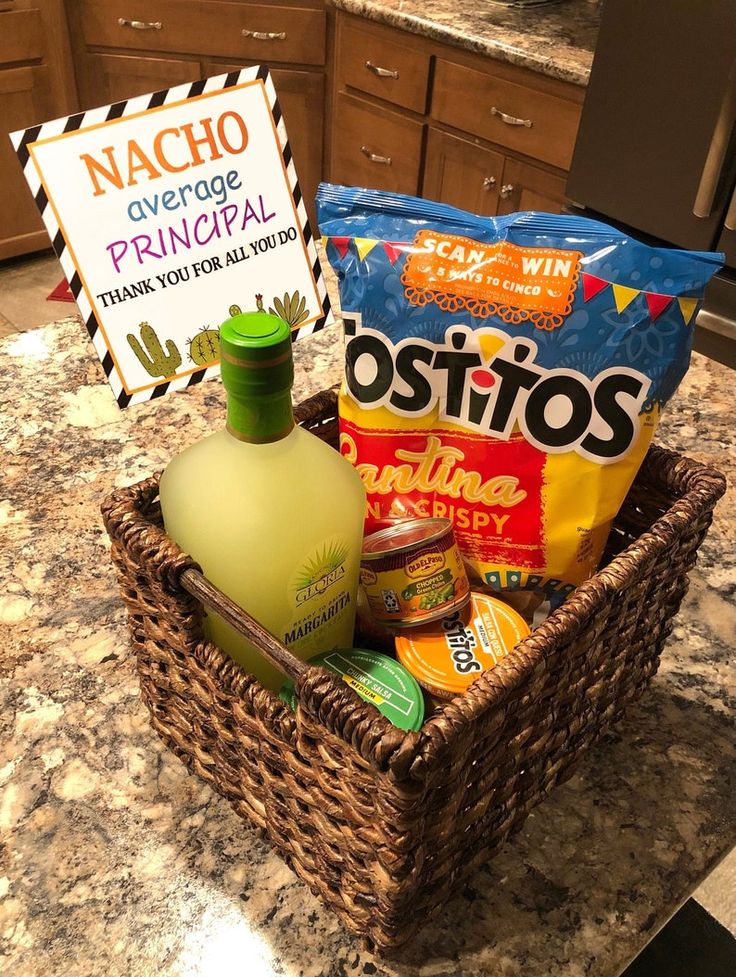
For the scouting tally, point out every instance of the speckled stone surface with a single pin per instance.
(556, 39)
(116, 862)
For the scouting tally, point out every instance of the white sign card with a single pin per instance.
(169, 213)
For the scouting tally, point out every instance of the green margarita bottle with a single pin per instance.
(273, 515)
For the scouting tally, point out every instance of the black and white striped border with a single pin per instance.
(23, 139)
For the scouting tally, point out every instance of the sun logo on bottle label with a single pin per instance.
(321, 571)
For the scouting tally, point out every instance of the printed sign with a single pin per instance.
(169, 213)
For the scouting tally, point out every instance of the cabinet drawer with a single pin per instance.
(375, 148)
(381, 62)
(21, 36)
(281, 34)
(527, 120)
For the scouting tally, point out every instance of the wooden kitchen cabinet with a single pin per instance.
(35, 85)
(115, 77)
(515, 115)
(377, 148)
(527, 187)
(124, 48)
(467, 175)
(385, 65)
(482, 135)
(462, 173)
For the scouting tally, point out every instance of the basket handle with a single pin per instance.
(196, 584)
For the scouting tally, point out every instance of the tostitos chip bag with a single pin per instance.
(507, 373)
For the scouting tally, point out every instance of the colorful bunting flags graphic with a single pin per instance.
(364, 246)
(341, 245)
(393, 250)
(687, 307)
(591, 286)
(623, 296)
(657, 304)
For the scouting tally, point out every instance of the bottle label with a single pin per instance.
(318, 593)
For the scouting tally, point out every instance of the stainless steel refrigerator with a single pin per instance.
(656, 149)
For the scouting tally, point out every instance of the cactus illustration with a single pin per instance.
(234, 310)
(259, 303)
(156, 363)
(205, 347)
(290, 308)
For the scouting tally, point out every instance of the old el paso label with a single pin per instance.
(425, 563)
(499, 278)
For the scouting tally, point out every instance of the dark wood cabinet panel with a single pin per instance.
(36, 84)
(385, 63)
(499, 137)
(527, 187)
(462, 173)
(114, 77)
(231, 30)
(517, 117)
(24, 100)
(372, 147)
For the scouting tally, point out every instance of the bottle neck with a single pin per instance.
(261, 419)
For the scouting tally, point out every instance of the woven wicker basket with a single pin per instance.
(382, 824)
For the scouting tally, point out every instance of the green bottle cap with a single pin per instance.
(376, 678)
(255, 355)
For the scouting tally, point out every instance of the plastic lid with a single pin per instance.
(447, 655)
(377, 679)
(255, 354)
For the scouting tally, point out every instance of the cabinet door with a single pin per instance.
(301, 98)
(24, 101)
(528, 187)
(460, 173)
(114, 77)
(374, 148)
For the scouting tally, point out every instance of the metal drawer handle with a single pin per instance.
(381, 72)
(264, 35)
(489, 182)
(141, 25)
(506, 190)
(374, 157)
(511, 120)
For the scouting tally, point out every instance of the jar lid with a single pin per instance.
(377, 679)
(404, 535)
(446, 655)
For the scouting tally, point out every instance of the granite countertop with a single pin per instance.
(115, 861)
(556, 39)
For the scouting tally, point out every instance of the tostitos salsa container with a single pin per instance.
(445, 657)
(412, 572)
